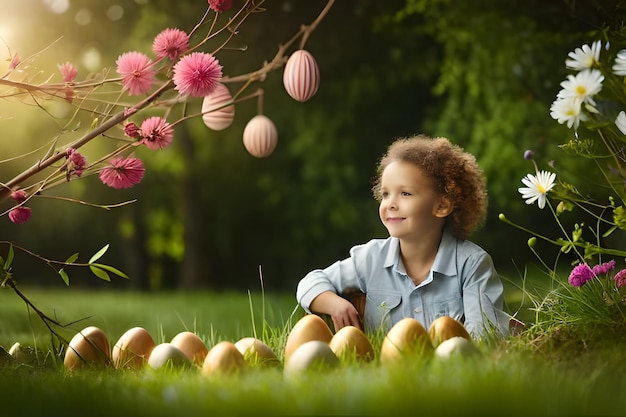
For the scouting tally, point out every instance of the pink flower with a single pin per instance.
(68, 72)
(220, 5)
(15, 61)
(122, 173)
(20, 214)
(137, 72)
(131, 129)
(76, 162)
(580, 275)
(197, 74)
(604, 268)
(620, 278)
(19, 196)
(171, 43)
(156, 133)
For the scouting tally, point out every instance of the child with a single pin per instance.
(432, 195)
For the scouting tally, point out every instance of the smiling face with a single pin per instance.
(409, 206)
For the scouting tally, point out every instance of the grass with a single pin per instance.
(518, 376)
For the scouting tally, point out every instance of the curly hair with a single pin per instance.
(454, 172)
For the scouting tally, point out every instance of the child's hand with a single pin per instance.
(344, 314)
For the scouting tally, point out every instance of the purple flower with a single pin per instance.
(604, 268)
(580, 275)
(620, 278)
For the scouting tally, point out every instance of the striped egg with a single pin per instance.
(260, 136)
(301, 77)
(215, 114)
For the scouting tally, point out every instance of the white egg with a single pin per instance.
(311, 355)
(456, 346)
(166, 354)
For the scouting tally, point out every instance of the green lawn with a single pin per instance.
(509, 378)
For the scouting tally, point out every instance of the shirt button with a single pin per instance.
(417, 310)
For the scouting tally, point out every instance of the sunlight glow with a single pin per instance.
(57, 6)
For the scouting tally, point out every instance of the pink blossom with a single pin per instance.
(170, 43)
(220, 5)
(620, 278)
(580, 275)
(197, 74)
(15, 61)
(604, 268)
(131, 129)
(122, 173)
(20, 214)
(156, 133)
(68, 72)
(19, 196)
(137, 72)
(76, 162)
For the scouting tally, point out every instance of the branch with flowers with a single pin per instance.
(591, 103)
(134, 105)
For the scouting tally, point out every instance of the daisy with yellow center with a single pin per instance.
(537, 187)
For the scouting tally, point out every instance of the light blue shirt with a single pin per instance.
(462, 284)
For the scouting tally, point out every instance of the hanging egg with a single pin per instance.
(133, 349)
(456, 346)
(167, 355)
(301, 77)
(90, 346)
(255, 352)
(260, 136)
(445, 327)
(216, 114)
(309, 327)
(192, 346)
(406, 339)
(352, 344)
(312, 355)
(224, 357)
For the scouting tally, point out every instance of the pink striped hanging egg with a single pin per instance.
(260, 136)
(223, 117)
(302, 75)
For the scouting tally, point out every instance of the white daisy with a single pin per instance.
(583, 85)
(619, 67)
(620, 122)
(585, 57)
(568, 110)
(537, 187)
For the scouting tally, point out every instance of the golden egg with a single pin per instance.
(311, 355)
(407, 338)
(90, 346)
(224, 357)
(133, 348)
(351, 343)
(310, 327)
(260, 136)
(445, 327)
(255, 352)
(167, 355)
(216, 114)
(301, 77)
(191, 345)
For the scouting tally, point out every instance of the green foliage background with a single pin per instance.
(480, 72)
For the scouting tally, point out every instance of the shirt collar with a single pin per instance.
(444, 261)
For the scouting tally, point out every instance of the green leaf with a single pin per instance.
(99, 254)
(72, 258)
(9, 261)
(111, 269)
(64, 276)
(100, 273)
